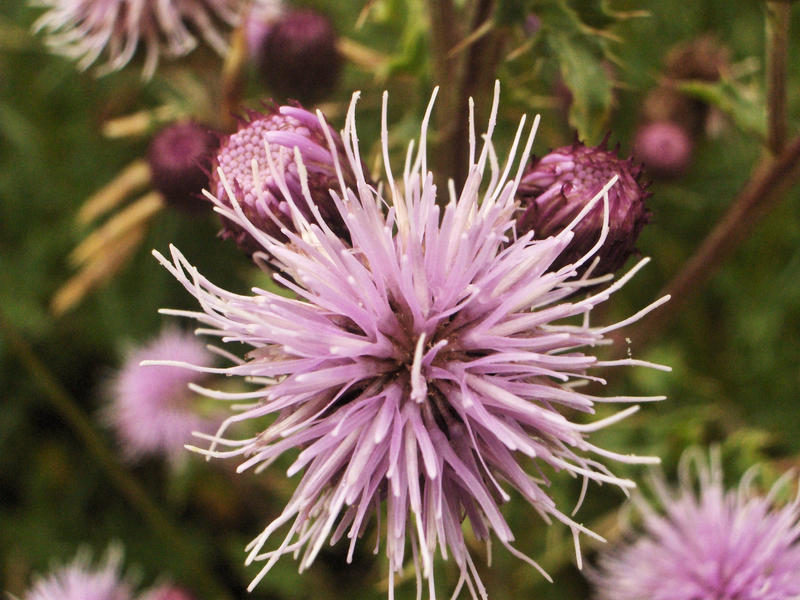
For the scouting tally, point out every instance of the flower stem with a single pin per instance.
(767, 185)
(777, 43)
(124, 482)
(447, 71)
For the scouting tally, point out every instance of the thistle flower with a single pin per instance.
(256, 190)
(418, 364)
(297, 56)
(149, 409)
(180, 158)
(558, 186)
(83, 30)
(664, 147)
(80, 581)
(709, 544)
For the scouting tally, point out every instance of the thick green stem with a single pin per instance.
(122, 480)
(777, 45)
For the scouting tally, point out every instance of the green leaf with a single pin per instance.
(743, 103)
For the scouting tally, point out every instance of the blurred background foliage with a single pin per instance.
(734, 345)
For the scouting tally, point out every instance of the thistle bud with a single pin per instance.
(167, 592)
(297, 56)
(179, 158)
(556, 187)
(282, 129)
(664, 147)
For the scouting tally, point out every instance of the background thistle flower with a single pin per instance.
(709, 543)
(80, 581)
(416, 367)
(83, 30)
(558, 186)
(150, 405)
(258, 193)
(180, 159)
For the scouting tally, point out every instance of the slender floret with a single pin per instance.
(85, 30)
(150, 406)
(423, 364)
(80, 581)
(709, 543)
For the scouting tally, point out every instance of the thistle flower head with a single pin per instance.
(419, 363)
(297, 56)
(180, 158)
(664, 147)
(85, 30)
(149, 409)
(269, 141)
(558, 186)
(709, 543)
(80, 581)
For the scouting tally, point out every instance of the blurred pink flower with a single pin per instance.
(150, 405)
(709, 543)
(80, 581)
(83, 30)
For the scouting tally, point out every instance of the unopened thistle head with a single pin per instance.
(86, 30)
(422, 364)
(246, 166)
(297, 57)
(81, 581)
(709, 543)
(180, 158)
(166, 591)
(150, 406)
(558, 186)
(664, 147)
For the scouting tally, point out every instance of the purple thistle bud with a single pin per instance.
(84, 30)
(555, 188)
(298, 58)
(150, 405)
(258, 193)
(166, 592)
(708, 544)
(664, 147)
(180, 158)
(80, 581)
(423, 371)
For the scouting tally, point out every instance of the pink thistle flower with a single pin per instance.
(709, 543)
(244, 159)
(150, 410)
(80, 581)
(418, 365)
(83, 30)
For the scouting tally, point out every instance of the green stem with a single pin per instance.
(122, 480)
(777, 45)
